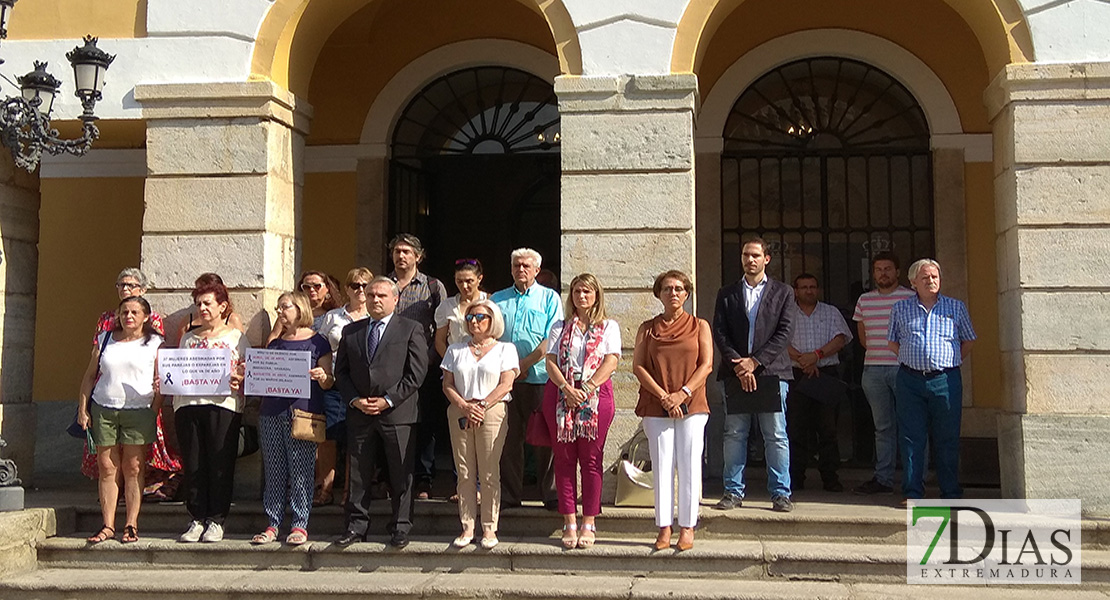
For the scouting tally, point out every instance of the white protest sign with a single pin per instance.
(278, 373)
(195, 372)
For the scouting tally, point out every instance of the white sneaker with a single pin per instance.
(214, 533)
(192, 533)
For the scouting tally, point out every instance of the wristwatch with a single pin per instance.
(689, 394)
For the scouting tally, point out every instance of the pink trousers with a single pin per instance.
(587, 454)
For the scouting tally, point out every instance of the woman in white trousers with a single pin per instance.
(673, 358)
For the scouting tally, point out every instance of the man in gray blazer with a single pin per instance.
(379, 367)
(752, 326)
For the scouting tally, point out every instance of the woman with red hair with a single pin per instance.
(208, 426)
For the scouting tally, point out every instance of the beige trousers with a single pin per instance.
(478, 458)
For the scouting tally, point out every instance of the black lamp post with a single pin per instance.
(25, 119)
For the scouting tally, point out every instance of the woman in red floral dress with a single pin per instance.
(163, 463)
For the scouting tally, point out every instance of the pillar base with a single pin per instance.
(1049, 457)
(17, 427)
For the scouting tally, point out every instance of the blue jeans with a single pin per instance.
(776, 445)
(878, 385)
(930, 407)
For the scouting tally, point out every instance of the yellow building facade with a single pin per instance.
(270, 136)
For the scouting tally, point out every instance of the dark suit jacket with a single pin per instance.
(398, 368)
(774, 328)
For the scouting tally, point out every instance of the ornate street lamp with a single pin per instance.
(25, 119)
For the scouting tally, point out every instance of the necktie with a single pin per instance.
(372, 339)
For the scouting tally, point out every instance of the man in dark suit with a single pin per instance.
(379, 367)
(753, 325)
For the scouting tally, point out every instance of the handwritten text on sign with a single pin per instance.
(195, 372)
(278, 373)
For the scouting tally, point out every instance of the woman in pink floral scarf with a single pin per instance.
(582, 352)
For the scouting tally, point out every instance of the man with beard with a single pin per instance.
(880, 365)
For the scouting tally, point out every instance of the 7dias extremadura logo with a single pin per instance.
(993, 542)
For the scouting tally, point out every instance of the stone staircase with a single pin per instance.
(843, 549)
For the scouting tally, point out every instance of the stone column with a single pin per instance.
(1052, 190)
(19, 265)
(627, 202)
(223, 194)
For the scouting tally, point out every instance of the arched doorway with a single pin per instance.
(828, 159)
(474, 170)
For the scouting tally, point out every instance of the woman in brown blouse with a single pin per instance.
(674, 355)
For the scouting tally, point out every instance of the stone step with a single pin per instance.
(177, 584)
(714, 558)
(809, 521)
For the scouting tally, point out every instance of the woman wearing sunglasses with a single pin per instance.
(477, 377)
(323, 292)
(331, 327)
(582, 352)
(451, 328)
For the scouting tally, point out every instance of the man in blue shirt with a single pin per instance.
(931, 334)
(529, 310)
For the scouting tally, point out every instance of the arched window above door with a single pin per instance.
(824, 104)
(828, 160)
(479, 110)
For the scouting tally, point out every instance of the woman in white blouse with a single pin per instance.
(450, 326)
(335, 410)
(477, 376)
(582, 352)
(118, 404)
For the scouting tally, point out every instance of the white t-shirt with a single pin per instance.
(126, 373)
(449, 315)
(475, 379)
(236, 341)
(610, 342)
(332, 326)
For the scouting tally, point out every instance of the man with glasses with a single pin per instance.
(419, 299)
(529, 310)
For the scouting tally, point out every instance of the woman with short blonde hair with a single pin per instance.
(288, 463)
(335, 410)
(478, 374)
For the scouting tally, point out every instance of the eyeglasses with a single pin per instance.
(479, 317)
(354, 285)
(282, 307)
(678, 289)
(466, 261)
(128, 286)
(305, 287)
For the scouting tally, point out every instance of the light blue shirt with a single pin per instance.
(929, 340)
(528, 319)
(752, 297)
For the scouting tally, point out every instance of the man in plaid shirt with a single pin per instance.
(931, 334)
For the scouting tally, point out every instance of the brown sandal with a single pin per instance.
(101, 536)
(130, 535)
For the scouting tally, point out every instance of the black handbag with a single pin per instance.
(74, 429)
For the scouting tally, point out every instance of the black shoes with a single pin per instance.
(833, 486)
(729, 502)
(871, 488)
(781, 504)
(349, 538)
(398, 540)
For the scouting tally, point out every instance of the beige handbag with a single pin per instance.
(635, 486)
(309, 426)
